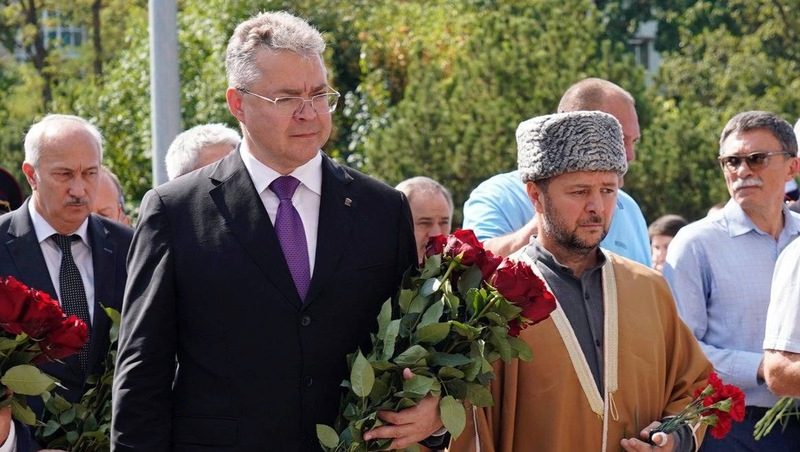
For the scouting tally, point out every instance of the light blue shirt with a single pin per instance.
(500, 206)
(720, 269)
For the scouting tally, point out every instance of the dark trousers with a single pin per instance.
(740, 439)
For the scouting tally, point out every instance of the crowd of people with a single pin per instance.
(263, 262)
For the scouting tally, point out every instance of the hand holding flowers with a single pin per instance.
(717, 405)
(449, 321)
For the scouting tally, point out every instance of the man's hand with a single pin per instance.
(5, 424)
(663, 442)
(411, 425)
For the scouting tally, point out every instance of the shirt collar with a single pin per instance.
(539, 253)
(43, 229)
(739, 223)
(309, 173)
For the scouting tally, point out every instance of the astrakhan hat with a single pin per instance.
(552, 145)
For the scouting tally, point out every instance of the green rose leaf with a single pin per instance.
(448, 359)
(471, 279)
(454, 417)
(419, 303)
(432, 266)
(479, 395)
(419, 385)
(51, 427)
(384, 318)
(448, 373)
(22, 413)
(392, 330)
(362, 377)
(499, 339)
(521, 348)
(412, 356)
(432, 314)
(327, 436)
(453, 302)
(27, 380)
(430, 286)
(432, 334)
(404, 299)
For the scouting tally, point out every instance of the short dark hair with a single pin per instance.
(752, 120)
(668, 225)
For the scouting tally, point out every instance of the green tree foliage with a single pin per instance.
(446, 91)
(746, 58)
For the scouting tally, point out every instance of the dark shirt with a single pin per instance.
(581, 298)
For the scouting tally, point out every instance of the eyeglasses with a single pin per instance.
(290, 106)
(755, 160)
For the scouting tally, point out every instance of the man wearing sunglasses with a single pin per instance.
(720, 268)
(259, 273)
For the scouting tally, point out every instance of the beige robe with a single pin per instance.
(653, 364)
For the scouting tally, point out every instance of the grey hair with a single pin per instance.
(591, 94)
(185, 149)
(267, 30)
(33, 139)
(425, 185)
(752, 120)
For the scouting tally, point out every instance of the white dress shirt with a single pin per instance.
(81, 253)
(306, 198)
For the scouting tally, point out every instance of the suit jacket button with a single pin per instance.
(305, 320)
(308, 381)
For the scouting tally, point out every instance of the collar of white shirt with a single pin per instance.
(44, 230)
(309, 173)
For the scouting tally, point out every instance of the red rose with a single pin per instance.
(66, 338)
(463, 243)
(517, 283)
(512, 279)
(13, 297)
(41, 314)
(435, 245)
(488, 264)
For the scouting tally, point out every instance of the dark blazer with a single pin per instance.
(21, 257)
(208, 283)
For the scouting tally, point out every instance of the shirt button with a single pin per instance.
(305, 320)
(308, 381)
(597, 342)
(586, 296)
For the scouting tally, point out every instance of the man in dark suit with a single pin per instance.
(62, 160)
(260, 272)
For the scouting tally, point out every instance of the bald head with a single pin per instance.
(598, 94)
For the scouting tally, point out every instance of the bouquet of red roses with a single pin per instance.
(33, 330)
(450, 320)
(716, 405)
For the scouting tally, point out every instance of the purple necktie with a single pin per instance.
(289, 227)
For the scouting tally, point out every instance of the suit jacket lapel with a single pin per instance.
(335, 208)
(235, 196)
(104, 263)
(24, 249)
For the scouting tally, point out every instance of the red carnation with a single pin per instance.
(13, 296)
(66, 338)
(722, 427)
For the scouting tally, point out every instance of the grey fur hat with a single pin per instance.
(551, 145)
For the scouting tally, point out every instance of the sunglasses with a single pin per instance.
(754, 161)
